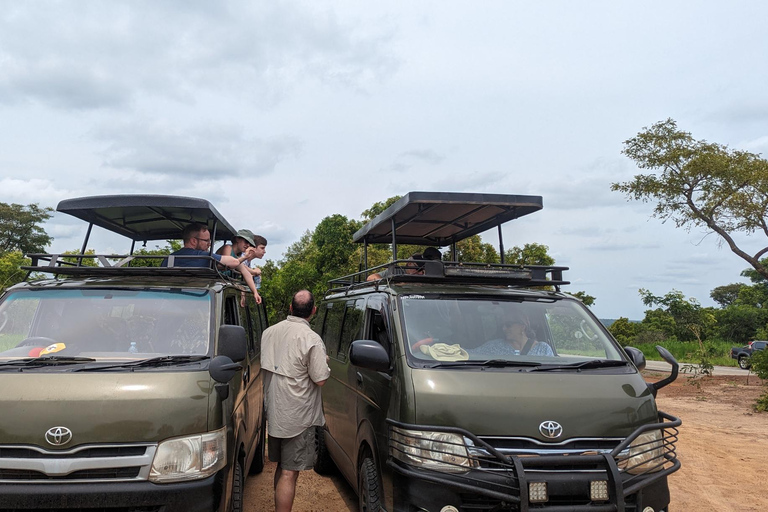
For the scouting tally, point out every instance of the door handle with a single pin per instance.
(246, 375)
(359, 378)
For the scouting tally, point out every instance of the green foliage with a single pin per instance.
(529, 254)
(588, 300)
(171, 246)
(379, 207)
(700, 184)
(624, 331)
(10, 271)
(726, 295)
(759, 362)
(83, 262)
(687, 351)
(475, 250)
(740, 323)
(21, 229)
(678, 317)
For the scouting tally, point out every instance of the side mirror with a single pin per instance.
(222, 369)
(637, 357)
(232, 342)
(665, 355)
(370, 355)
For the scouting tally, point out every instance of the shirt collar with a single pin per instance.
(297, 319)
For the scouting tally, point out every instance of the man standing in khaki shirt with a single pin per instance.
(294, 357)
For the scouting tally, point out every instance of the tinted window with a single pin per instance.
(353, 323)
(332, 327)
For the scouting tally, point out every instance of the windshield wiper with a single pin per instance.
(489, 363)
(152, 362)
(31, 362)
(584, 365)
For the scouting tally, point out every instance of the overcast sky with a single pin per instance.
(281, 113)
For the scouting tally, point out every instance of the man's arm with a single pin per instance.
(239, 264)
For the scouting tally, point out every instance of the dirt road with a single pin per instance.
(723, 447)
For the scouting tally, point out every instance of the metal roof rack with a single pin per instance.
(445, 218)
(58, 265)
(139, 217)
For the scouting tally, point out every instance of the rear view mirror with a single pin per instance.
(232, 342)
(637, 357)
(370, 355)
(222, 369)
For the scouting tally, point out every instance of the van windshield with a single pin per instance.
(547, 332)
(105, 324)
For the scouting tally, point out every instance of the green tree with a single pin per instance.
(475, 250)
(587, 299)
(726, 295)
(21, 228)
(682, 318)
(529, 254)
(10, 268)
(624, 331)
(739, 322)
(379, 207)
(83, 262)
(696, 183)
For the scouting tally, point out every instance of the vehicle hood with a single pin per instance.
(103, 407)
(507, 402)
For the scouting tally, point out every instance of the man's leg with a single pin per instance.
(285, 489)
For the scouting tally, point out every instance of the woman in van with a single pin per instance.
(518, 340)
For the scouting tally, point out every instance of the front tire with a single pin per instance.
(324, 465)
(238, 487)
(744, 362)
(368, 487)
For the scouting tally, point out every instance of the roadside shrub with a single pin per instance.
(759, 362)
(650, 336)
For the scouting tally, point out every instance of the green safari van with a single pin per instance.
(126, 386)
(473, 387)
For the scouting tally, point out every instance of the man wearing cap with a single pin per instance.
(197, 242)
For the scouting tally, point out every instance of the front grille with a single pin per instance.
(92, 463)
(88, 474)
(98, 509)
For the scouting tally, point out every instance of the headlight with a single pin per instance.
(437, 451)
(189, 458)
(646, 454)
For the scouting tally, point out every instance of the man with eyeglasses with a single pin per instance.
(197, 242)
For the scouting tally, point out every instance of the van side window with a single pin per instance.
(377, 330)
(230, 311)
(353, 323)
(256, 322)
(332, 327)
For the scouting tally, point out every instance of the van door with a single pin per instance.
(257, 322)
(342, 325)
(374, 387)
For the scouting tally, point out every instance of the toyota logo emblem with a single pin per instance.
(551, 429)
(58, 436)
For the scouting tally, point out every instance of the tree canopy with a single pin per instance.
(21, 228)
(696, 183)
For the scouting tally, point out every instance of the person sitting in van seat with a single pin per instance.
(296, 365)
(414, 266)
(197, 242)
(518, 340)
(245, 239)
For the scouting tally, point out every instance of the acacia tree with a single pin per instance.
(696, 183)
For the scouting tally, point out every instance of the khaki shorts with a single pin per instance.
(294, 453)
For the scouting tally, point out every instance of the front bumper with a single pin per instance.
(501, 482)
(197, 496)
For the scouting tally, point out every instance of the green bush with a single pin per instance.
(718, 351)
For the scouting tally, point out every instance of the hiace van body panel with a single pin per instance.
(128, 386)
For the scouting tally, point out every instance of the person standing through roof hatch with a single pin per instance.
(197, 242)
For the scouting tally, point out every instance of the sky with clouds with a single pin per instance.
(283, 112)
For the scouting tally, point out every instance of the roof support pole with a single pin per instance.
(85, 244)
(365, 254)
(454, 254)
(501, 245)
(394, 240)
(133, 246)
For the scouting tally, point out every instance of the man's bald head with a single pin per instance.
(303, 304)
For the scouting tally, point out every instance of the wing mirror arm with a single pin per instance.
(668, 357)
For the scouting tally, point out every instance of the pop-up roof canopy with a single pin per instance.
(147, 217)
(444, 218)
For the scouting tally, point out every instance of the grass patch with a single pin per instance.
(687, 351)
